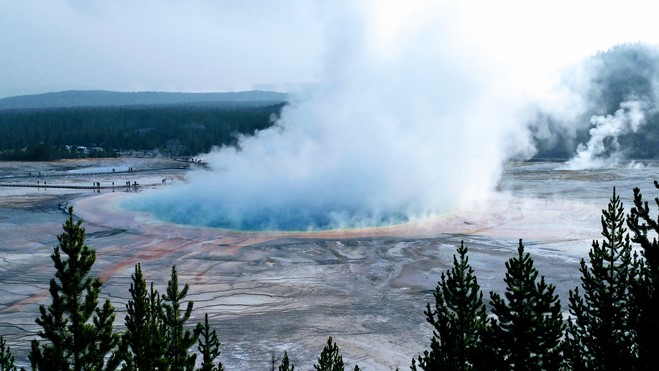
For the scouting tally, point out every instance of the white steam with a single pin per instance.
(405, 125)
(417, 109)
(603, 149)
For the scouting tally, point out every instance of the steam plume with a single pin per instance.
(614, 119)
(603, 149)
(416, 111)
(405, 125)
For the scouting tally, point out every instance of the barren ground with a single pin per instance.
(270, 292)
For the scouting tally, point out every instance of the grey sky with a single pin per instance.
(196, 45)
(220, 45)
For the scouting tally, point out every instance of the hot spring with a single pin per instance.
(277, 211)
(183, 204)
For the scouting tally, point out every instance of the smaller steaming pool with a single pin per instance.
(100, 169)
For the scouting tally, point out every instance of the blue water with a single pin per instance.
(542, 180)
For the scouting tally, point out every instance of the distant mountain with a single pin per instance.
(83, 98)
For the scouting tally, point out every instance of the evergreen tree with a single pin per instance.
(285, 366)
(78, 332)
(528, 325)
(646, 288)
(209, 347)
(6, 358)
(599, 335)
(178, 339)
(143, 342)
(106, 343)
(157, 328)
(330, 359)
(458, 318)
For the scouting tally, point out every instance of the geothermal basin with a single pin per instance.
(270, 292)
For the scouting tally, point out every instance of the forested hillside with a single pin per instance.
(97, 98)
(172, 130)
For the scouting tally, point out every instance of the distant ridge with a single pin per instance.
(91, 98)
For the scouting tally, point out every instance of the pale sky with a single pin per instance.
(224, 45)
(197, 45)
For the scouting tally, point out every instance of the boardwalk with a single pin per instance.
(65, 174)
(18, 181)
(23, 185)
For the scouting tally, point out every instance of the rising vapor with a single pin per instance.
(403, 126)
(616, 122)
(414, 116)
(603, 148)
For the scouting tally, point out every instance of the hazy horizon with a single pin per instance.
(204, 45)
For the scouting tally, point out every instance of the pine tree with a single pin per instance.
(6, 358)
(209, 347)
(330, 359)
(106, 343)
(75, 328)
(458, 318)
(646, 286)
(143, 342)
(285, 366)
(157, 328)
(528, 325)
(600, 336)
(179, 340)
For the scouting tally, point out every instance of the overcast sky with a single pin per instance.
(192, 45)
(221, 45)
